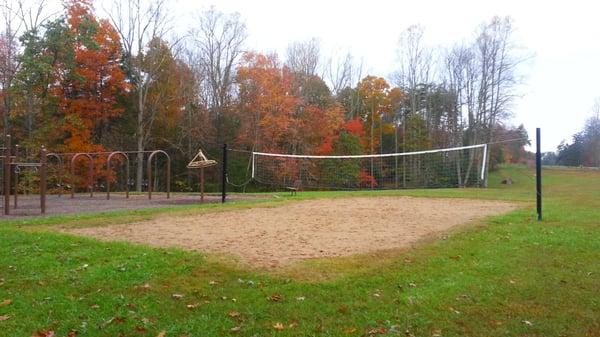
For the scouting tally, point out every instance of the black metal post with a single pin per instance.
(7, 168)
(538, 173)
(43, 179)
(224, 175)
(16, 176)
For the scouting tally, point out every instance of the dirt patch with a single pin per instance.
(272, 237)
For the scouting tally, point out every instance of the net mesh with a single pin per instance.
(455, 167)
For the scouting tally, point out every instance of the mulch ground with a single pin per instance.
(29, 206)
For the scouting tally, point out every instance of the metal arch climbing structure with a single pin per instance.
(149, 172)
(60, 170)
(90, 173)
(108, 160)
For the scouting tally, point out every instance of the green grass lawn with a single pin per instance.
(509, 275)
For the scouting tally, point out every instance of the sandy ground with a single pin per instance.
(271, 237)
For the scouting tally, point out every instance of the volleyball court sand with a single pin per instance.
(275, 236)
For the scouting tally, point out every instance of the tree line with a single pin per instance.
(75, 82)
(584, 147)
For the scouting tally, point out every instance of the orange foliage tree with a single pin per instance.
(87, 91)
(267, 105)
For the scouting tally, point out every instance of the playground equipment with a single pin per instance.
(66, 168)
(201, 162)
(110, 156)
(108, 160)
(9, 163)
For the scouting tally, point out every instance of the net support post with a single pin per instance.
(253, 164)
(224, 175)
(538, 173)
(483, 165)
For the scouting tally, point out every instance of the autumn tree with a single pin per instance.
(303, 57)
(267, 106)
(8, 61)
(87, 89)
(374, 94)
(217, 41)
(47, 55)
(342, 73)
(18, 18)
(416, 64)
(345, 141)
(138, 23)
(164, 97)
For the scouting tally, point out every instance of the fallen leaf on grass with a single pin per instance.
(528, 323)
(177, 296)
(300, 298)
(236, 329)
(116, 320)
(454, 310)
(5, 302)
(233, 314)
(377, 331)
(278, 326)
(162, 334)
(143, 286)
(343, 309)
(192, 305)
(276, 298)
(4, 317)
(350, 330)
(72, 333)
(43, 333)
(140, 329)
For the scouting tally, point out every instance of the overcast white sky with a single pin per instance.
(562, 80)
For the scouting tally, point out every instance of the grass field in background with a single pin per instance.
(509, 275)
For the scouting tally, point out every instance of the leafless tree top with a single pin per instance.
(304, 56)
